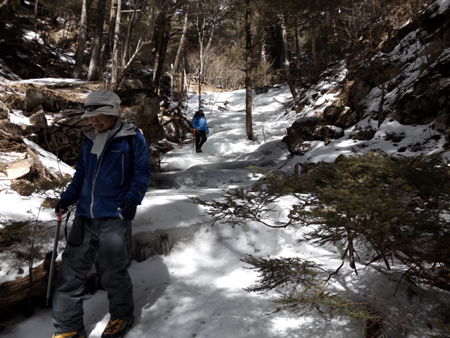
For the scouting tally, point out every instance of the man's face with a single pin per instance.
(102, 122)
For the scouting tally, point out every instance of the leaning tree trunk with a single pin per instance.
(177, 62)
(81, 41)
(135, 17)
(248, 73)
(95, 65)
(286, 57)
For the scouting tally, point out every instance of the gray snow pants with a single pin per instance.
(111, 237)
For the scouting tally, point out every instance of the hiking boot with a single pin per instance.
(199, 150)
(76, 334)
(117, 328)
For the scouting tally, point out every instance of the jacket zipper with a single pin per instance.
(94, 180)
(98, 170)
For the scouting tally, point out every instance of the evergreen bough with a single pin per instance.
(394, 210)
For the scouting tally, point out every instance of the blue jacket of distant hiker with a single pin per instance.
(122, 171)
(199, 122)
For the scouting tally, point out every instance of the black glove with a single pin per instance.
(128, 208)
(64, 204)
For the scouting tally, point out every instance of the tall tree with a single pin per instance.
(137, 12)
(209, 15)
(286, 57)
(108, 43)
(177, 62)
(95, 64)
(248, 73)
(145, 39)
(115, 54)
(203, 25)
(178, 71)
(161, 37)
(79, 55)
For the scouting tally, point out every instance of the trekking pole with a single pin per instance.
(193, 139)
(54, 253)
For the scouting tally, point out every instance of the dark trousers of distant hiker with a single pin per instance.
(111, 238)
(200, 139)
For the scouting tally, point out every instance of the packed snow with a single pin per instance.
(198, 289)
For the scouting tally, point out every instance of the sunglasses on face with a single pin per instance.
(95, 107)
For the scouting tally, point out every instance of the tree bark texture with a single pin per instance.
(297, 52)
(248, 73)
(96, 64)
(79, 55)
(177, 62)
(115, 54)
(107, 45)
(135, 17)
(163, 33)
(286, 57)
(18, 290)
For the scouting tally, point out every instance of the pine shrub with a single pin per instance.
(388, 209)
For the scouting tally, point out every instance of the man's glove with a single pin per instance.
(128, 208)
(64, 204)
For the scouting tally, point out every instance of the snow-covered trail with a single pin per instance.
(198, 290)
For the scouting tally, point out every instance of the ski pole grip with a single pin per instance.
(60, 214)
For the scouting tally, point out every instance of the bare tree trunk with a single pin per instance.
(135, 16)
(182, 39)
(162, 31)
(263, 47)
(201, 32)
(181, 88)
(177, 68)
(95, 64)
(81, 41)
(248, 73)
(36, 4)
(107, 46)
(286, 57)
(140, 45)
(203, 51)
(115, 54)
(297, 52)
(313, 46)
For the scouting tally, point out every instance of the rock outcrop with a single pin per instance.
(407, 79)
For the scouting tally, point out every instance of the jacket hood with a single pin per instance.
(126, 129)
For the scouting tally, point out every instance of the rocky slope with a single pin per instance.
(407, 79)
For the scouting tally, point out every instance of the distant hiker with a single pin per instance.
(200, 129)
(111, 178)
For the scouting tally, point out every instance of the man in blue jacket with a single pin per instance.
(200, 129)
(111, 178)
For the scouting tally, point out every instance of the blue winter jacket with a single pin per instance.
(100, 185)
(199, 122)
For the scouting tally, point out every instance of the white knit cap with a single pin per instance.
(107, 101)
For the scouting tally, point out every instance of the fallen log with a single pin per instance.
(17, 295)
